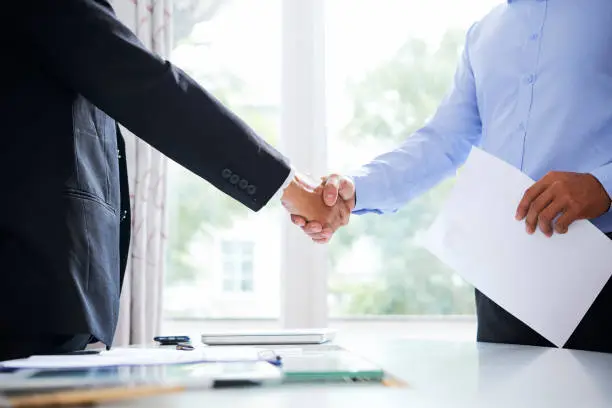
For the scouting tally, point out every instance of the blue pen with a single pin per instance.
(271, 357)
(278, 361)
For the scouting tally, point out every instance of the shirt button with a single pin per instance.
(534, 36)
(530, 79)
(522, 127)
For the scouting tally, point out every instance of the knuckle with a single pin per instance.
(572, 203)
(330, 188)
(558, 185)
(313, 228)
(538, 205)
(545, 219)
(333, 179)
(531, 218)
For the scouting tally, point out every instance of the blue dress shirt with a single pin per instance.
(533, 87)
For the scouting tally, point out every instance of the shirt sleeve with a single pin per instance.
(429, 155)
(279, 193)
(604, 175)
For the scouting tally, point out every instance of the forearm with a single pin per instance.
(428, 156)
(422, 161)
(83, 44)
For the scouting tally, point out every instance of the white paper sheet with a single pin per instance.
(138, 356)
(548, 283)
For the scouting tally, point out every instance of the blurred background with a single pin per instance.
(387, 65)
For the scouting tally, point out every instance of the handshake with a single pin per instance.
(320, 209)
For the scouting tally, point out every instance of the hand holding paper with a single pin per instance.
(548, 283)
(560, 198)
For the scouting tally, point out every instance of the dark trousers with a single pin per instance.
(594, 333)
(13, 346)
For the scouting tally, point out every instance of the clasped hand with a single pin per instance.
(320, 209)
(551, 204)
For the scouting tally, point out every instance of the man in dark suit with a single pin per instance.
(74, 73)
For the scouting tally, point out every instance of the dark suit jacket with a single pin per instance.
(74, 72)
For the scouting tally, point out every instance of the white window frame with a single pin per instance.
(237, 259)
(304, 265)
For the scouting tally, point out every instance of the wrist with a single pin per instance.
(290, 192)
(295, 193)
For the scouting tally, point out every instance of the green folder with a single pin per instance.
(333, 364)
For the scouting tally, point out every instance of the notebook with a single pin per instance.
(136, 356)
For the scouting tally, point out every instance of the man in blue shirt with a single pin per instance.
(533, 87)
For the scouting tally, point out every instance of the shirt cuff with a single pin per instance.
(604, 175)
(367, 196)
(279, 193)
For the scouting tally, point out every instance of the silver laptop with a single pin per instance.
(269, 337)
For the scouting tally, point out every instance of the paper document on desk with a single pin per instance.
(139, 356)
(548, 283)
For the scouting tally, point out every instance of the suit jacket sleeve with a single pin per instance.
(92, 52)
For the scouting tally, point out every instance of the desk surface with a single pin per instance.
(438, 374)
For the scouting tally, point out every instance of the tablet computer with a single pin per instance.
(268, 337)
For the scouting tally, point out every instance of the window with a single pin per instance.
(236, 57)
(237, 259)
(383, 83)
(336, 81)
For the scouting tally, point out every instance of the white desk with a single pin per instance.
(439, 374)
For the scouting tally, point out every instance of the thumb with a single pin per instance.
(331, 190)
(347, 188)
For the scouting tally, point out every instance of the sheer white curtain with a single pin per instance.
(140, 312)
